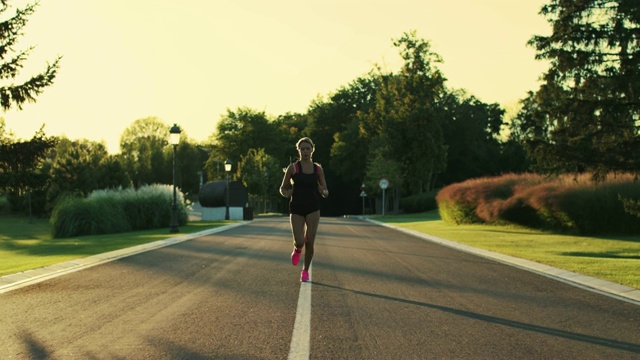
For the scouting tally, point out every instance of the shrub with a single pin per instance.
(568, 203)
(480, 200)
(600, 210)
(454, 206)
(419, 203)
(4, 205)
(114, 211)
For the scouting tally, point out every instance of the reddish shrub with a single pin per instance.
(568, 203)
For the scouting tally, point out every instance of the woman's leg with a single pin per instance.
(297, 229)
(312, 221)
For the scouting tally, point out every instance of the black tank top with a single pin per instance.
(305, 186)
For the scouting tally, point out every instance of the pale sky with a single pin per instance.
(188, 61)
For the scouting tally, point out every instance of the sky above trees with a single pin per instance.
(187, 62)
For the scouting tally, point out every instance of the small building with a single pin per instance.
(213, 199)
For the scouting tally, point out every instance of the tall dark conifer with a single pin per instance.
(11, 61)
(20, 161)
(586, 115)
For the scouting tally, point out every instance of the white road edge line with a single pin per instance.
(603, 287)
(29, 277)
(300, 340)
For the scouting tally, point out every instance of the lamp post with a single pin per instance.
(227, 169)
(174, 139)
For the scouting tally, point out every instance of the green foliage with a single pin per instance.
(245, 129)
(584, 118)
(142, 146)
(11, 28)
(471, 133)
(407, 120)
(74, 217)
(419, 203)
(379, 167)
(20, 162)
(82, 166)
(631, 206)
(289, 128)
(260, 174)
(24, 170)
(115, 211)
(4, 205)
(253, 172)
(330, 124)
(572, 204)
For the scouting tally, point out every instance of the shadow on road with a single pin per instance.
(635, 348)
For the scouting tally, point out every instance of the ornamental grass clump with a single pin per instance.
(567, 203)
(117, 210)
(480, 200)
(75, 216)
(599, 209)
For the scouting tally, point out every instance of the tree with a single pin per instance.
(5, 134)
(11, 62)
(288, 130)
(407, 118)
(21, 159)
(141, 147)
(20, 165)
(349, 146)
(585, 116)
(190, 164)
(244, 129)
(260, 174)
(471, 132)
(380, 167)
(82, 166)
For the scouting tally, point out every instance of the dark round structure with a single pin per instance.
(213, 194)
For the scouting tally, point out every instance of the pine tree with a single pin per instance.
(20, 160)
(586, 115)
(12, 61)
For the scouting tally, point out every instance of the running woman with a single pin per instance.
(303, 184)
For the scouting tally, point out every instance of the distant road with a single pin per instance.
(375, 294)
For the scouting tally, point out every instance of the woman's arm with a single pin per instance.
(322, 183)
(286, 188)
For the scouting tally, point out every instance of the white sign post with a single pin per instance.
(384, 184)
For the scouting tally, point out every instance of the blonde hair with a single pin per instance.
(307, 140)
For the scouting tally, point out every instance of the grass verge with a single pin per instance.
(615, 259)
(25, 246)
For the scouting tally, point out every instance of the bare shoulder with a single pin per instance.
(289, 169)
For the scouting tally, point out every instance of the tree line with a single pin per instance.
(406, 126)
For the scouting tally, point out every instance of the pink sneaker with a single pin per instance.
(304, 276)
(295, 256)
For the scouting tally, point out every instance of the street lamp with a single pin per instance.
(174, 139)
(227, 169)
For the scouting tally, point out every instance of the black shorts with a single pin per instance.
(303, 208)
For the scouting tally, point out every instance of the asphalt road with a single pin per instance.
(375, 294)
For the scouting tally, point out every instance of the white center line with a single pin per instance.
(299, 348)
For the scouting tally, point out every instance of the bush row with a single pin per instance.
(419, 203)
(4, 205)
(567, 203)
(115, 211)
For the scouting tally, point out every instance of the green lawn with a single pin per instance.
(25, 245)
(615, 259)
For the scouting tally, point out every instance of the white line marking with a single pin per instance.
(299, 349)
(34, 276)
